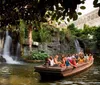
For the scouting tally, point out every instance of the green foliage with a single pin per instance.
(75, 16)
(83, 33)
(74, 31)
(90, 36)
(42, 35)
(26, 33)
(35, 36)
(29, 10)
(97, 33)
(88, 30)
(45, 35)
(0, 30)
(62, 35)
(65, 35)
(71, 27)
(68, 19)
(38, 55)
(83, 7)
(22, 31)
(79, 13)
(96, 4)
(97, 36)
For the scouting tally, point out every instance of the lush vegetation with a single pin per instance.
(89, 35)
(37, 55)
(97, 37)
(44, 34)
(11, 11)
(21, 14)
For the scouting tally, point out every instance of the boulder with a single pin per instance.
(2, 59)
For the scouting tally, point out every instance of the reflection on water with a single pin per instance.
(25, 75)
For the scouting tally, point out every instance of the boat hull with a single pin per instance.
(58, 72)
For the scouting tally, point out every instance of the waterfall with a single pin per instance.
(77, 45)
(7, 45)
(6, 50)
(17, 51)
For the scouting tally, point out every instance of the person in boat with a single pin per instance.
(81, 59)
(72, 60)
(77, 57)
(69, 57)
(63, 61)
(67, 62)
(81, 53)
(51, 61)
(90, 57)
(86, 58)
(47, 62)
(56, 62)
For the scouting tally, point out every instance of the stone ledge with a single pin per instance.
(34, 61)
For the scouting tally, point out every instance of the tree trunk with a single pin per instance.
(30, 37)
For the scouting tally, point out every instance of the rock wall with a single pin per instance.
(1, 41)
(54, 47)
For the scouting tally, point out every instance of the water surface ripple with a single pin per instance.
(24, 75)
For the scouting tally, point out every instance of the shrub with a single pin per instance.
(38, 55)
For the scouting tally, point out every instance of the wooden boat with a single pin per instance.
(59, 72)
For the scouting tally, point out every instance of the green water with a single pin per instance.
(23, 74)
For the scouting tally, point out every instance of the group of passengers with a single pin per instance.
(68, 60)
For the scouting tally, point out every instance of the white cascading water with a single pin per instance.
(17, 51)
(77, 45)
(6, 51)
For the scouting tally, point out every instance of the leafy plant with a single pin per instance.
(35, 36)
(97, 37)
(29, 10)
(38, 55)
(42, 35)
(22, 31)
(45, 35)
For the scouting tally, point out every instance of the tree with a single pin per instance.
(96, 3)
(11, 11)
(74, 30)
(97, 36)
(22, 34)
